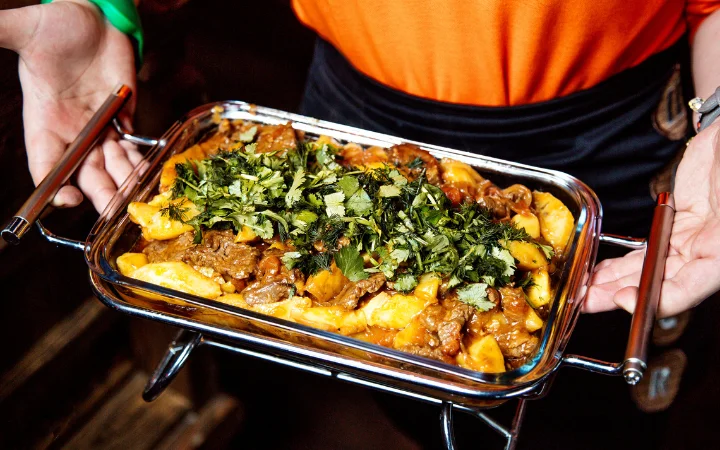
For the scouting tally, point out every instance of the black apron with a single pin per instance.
(604, 135)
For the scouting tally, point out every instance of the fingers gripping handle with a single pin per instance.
(66, 166)
(651, 280)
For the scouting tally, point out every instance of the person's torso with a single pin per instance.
(494, 52)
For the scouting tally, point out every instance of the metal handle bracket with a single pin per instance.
(651, 279)
(656, 250)
(66, 166)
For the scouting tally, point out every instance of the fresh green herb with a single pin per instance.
(335, 205)
(406, 282)
(475, 294)
(389, 224)
(294, 193)
(504, 255)
(349, 185)
(415, 163)
(389, 191)
(360, 203)
(547, 250)
(174, 211)
(350, 262)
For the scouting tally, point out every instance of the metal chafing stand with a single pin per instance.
(209, 323)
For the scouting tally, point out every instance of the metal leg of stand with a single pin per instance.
(175, 357)
(510, 435)
(446, 421)
(516, 424)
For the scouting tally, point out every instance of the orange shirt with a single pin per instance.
(499, 52)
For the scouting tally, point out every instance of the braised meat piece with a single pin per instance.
(508, 328)
(218, 251)
(353, 155)
(450, 329)
(275, 138)
(493, 199)
(429, 352)
(352, 292)
(404, 155)
(227, 257)
(440, 330)
(171, 249)
(274, 282)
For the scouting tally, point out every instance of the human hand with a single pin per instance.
(71, 59)
(692, 271)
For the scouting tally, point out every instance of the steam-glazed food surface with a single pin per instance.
(387, 245)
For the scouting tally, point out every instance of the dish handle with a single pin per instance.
(85, 141)
(651, 278)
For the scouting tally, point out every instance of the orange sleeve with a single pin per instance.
(696, 11)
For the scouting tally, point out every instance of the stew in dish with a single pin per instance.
(387, 245)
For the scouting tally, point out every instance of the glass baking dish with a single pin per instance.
(217, 324)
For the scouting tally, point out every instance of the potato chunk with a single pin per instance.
(533, 322)
(395, 311)
(332, 318)
(482, 354)
(129, 262)
(529, 222)
(168, 175)
(234, 300)
(527, 254)
(158, 226)
(246, 234)
(459, 173)
(326, 284)
(414, 333)
(179, 276)
(427, 287)
(539, 292)
(286, 309)
(556, 220)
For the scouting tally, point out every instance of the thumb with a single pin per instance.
(18, 26)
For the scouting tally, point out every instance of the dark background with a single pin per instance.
(258, 52)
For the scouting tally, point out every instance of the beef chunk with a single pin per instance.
(352, 292)
(217, 251)
(171, 249)
(404, 154)
(227, 257)
(274, 282)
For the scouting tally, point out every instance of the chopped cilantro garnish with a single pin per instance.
(406, 282)
(174, 211)
(389, 191)
(360, 203)
(475, 294)
(547, 250)
(335, 204)
(294, 193)
(349, 185)
(393, 225)
(350, 262)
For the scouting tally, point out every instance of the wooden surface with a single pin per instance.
(126, 421)
(63, 428)
(50, 345)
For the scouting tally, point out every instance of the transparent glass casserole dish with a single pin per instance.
(208, 322)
